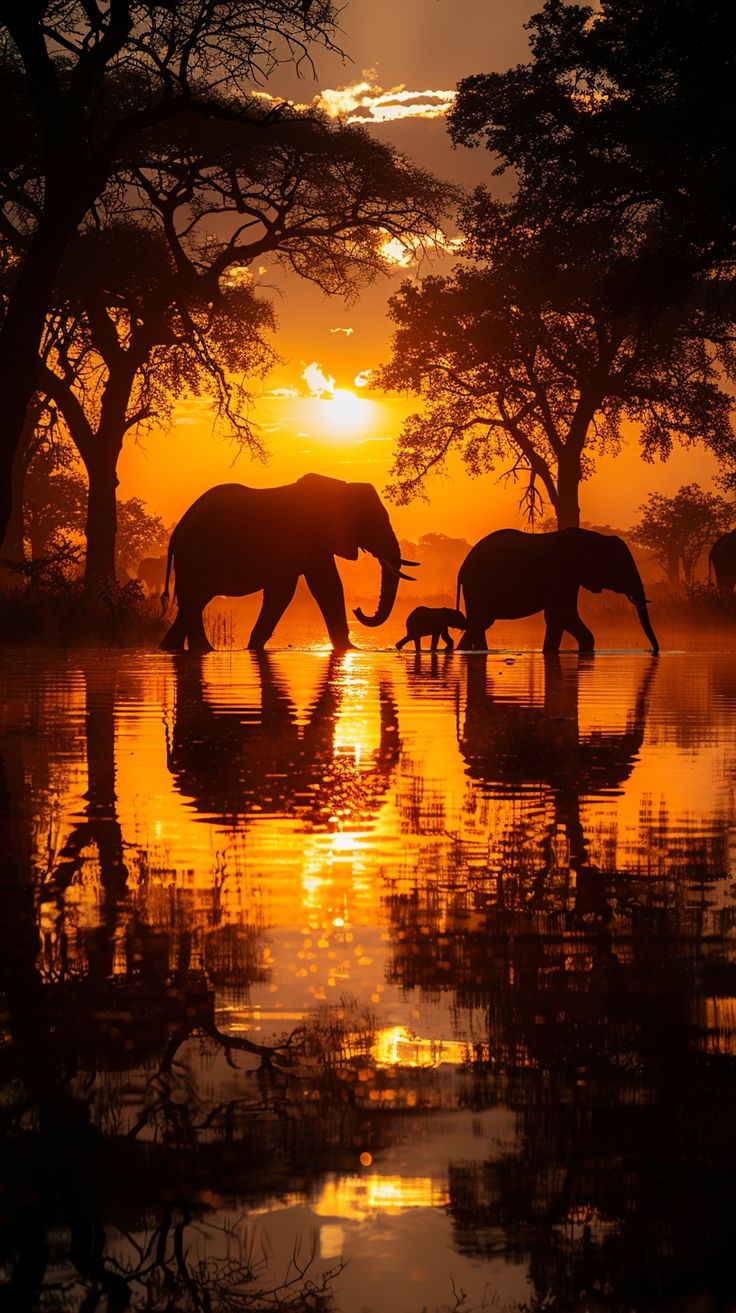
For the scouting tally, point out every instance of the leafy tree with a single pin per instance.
(153, 296)
(55, 496)
(149, 307)
(598, 293)
(124, 342)
(41, 431)
(139, 534)
(84, 83)
(677, 529)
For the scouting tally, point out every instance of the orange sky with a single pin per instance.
(317, 410)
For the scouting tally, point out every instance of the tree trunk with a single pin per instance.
(101, 524)
(673, 566)
(20, 336)
(13, 546)
(568, 491)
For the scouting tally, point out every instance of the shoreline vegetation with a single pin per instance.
(52, 610)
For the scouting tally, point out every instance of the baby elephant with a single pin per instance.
(434, 620)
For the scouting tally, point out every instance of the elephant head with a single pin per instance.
(350, 517)
(606, 562)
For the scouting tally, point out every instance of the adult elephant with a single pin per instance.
(151, 573)
(235, 540)
(722, 561)
(510, 574)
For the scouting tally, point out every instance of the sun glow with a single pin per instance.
(343, 415)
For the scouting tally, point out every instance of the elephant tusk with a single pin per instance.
(647, 600)
(398, 574)
(388, 565)
(403, 562)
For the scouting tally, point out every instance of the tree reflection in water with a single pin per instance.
(590, 976)
(599, 989)
(118, 1143)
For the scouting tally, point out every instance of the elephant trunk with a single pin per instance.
(390, 558)
(628, 581)
(637, 599)
(646, 624)
(386, 599)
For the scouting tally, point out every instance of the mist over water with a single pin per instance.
(412, 974)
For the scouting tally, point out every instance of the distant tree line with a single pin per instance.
(678, 529)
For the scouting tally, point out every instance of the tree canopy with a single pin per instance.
(145, 104)
(599, 293)
(177, 178)
(678, 529)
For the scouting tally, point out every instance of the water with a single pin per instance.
(399, 977)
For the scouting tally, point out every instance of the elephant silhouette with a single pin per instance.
(151, 573)
(235, 540)
(436, 621)
(509, 574)
(232, 761)
(722, 562)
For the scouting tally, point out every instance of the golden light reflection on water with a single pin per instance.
(356, 1198)
(449, 884)
(398, 1046)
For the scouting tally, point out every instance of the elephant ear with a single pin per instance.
(329, 515)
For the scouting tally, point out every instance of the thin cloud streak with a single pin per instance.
(367, 102)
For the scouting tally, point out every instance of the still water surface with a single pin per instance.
(402, 977)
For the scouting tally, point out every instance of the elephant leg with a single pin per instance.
(449, 645)
(474, 639)
(175, 637)
(435, 641)
(403, 641)
(188, 628)
(276, 598)
(325, 585)
(198, 640)
(579, 630)
(554, 630)
(561, 621)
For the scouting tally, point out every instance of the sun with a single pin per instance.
(343, 415)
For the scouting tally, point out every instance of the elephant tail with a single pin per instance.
(457, 594)
(165, 593)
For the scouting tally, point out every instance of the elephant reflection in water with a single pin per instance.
(508, 746)
(231, 762)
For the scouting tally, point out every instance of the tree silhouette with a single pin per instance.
(599, 292)
(124, 342)
(83, 82)
(119, 101)
(150, 305)
(677, 529)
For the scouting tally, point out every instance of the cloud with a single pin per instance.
(346, 331)
(366, 102)
(362, 380)
(282, 392)
(319, 383)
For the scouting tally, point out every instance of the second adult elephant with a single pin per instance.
(722, 561)
(235, 540)
(510, 574)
